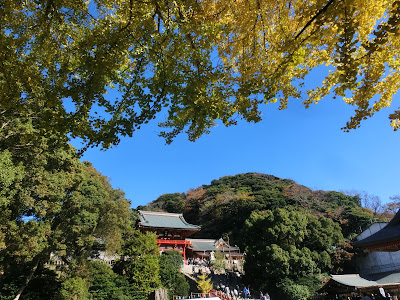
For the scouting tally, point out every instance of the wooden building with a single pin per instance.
(206, 248)
(171, 229)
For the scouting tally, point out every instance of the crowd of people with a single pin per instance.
(236, 293)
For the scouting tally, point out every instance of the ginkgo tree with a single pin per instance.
(198, 62)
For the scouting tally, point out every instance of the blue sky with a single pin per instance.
(305, 145)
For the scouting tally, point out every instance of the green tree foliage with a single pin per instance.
(203, 62)
(50, 202)
(172, 258)
(285, 225)
(293, 291)
(284, 244)
(219, 262)
(94, 280)
(222, 207)
(139, 261)
(172, 203)
(74, 288)
(45, 284)
(227, 202)
(170, 275)
(104, 284)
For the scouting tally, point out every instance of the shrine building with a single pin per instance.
(171, 230)
(377, 261)
(386, 239)
(206, 248)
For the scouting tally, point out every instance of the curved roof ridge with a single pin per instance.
(385, 239)
(160, 213)
(201, 240)
(395, 220)
(165, 220)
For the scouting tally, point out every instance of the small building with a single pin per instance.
(171, 229)
(206, 248)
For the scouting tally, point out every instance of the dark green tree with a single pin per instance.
(294, 291)
(172, 203)
(285, 244)
(170, 275)
(357, 220)
(45, 284)
(105, 284)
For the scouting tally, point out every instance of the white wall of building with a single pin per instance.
(376, 262)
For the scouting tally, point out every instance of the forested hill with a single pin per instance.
(293, 236)
(222, 207)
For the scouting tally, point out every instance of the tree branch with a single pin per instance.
(320, 12)
(27, 279)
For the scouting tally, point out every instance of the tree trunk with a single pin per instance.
(27, 279)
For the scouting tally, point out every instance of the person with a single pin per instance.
(227, 291)
(261, 296)
(389, 297)
(267, 297)
(236, 293)
(246, 292)
(366, 297)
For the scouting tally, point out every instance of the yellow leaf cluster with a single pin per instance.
(271, 46)
(202, 61)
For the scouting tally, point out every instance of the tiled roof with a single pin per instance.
(390, 233)
(164, 220)
(355, 280)
(210, 245)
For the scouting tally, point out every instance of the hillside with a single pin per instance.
(222, 207)
(293, 236)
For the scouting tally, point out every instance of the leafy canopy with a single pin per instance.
(291, 246)
(50, 203)
(222, 207)
(199, 61)
(139, 261)
(170, 274)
